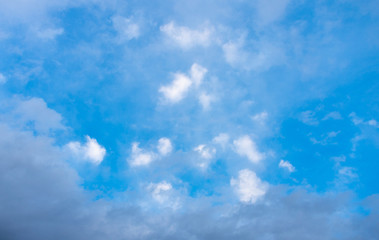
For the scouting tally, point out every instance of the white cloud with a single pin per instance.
(91, 150)
(164, 146)
(260, 117)
(140, 157)
(332, 115)
(197, 74)
(3, 79)
(33, 114)
(126, 28)
(246, 147)
(308, 117)
(206, 154)
(177, 89)
(49, 33)
(159, 191)
(181, 84)
(248, 186)
(372, 122)
(204, 151)
(187, 38)
(221, 139)
(205, 100)
(286, 165)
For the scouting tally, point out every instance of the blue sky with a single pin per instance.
(189, 119)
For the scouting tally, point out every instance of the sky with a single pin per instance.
(189, 119)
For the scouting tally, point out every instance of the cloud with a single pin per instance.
(260, 117)
(158, 191)
(91, 150)
(197, 74)
(140, 157)
(246, 147)
(32, 113)
(176, 91)
(221, 139)
(248, 186)
(205, 100)
(286, 165)
(332, 115)
(187, 38)
(3, 79)
(308, 117)
(164, 146)
(126, 28)
(204, 151)
(181, 84)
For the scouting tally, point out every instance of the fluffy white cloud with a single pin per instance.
(177, 89)
(159, 191)
(260, 117)
(181, 84)
(3, 79)
(140, 157)
(197, 74)
(91, 150)
(286, 165)
(164, 146)
(187, 38)
(205, 100)
(126, 28)
(32, 114)
(246, 147)
(221, 139)
(204, 151)
(248, 186)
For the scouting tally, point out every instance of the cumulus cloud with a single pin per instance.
(176, 91)
(91, 150)
(140, 157)
(260, 117)
(286, 165)
(205, 100)
(181, 84)
(204, 151)
(246, 147)
(197, 74)
(158, 191)
(185, 37)
(164, 146)
(126, 28)
(32, 114)
(248, 186)
(221, 139)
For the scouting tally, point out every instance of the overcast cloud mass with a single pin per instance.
(189, 119)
